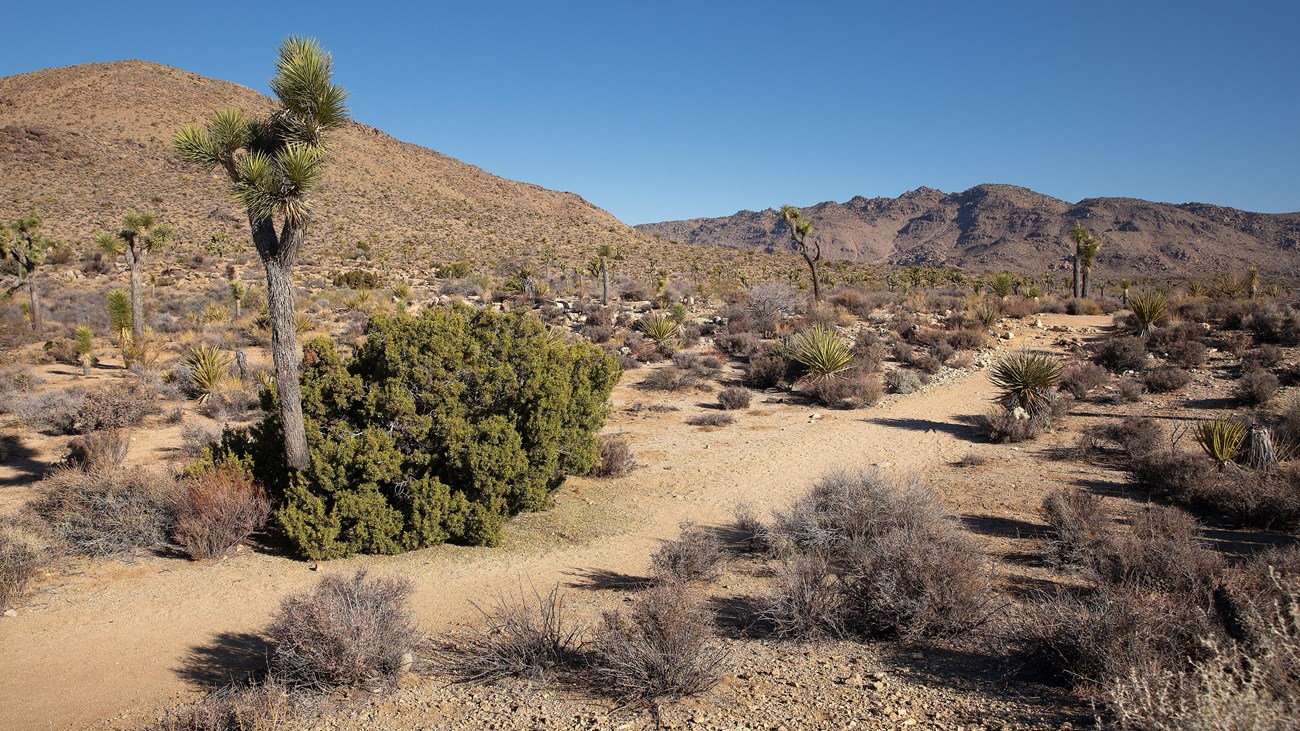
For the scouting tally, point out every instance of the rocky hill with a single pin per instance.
(1008, 227)
(85, 144)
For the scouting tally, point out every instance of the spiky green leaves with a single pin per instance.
(1086, 246)
(1149, 309)
(1221, 439)
(279, 183)
(209, 368)
(822, 351)
(800, 227)
(657, 327)
(302, 82)
(1026, 380)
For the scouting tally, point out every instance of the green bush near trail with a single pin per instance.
(438, 428)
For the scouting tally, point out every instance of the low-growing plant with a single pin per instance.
(1257, 387)
(1150, 309)
(902, 381)
(1221, 439)
(25, 548)
(695, 556)
(1078, 527)
(344, 631)
(616, 458)
(807, 600)
(733, 398)
(525, 635)
(208, 368)
(658, 327)
(852, 391)
(1121, 354)
(1129, 390)
(1080, 379)
(712, 418)
(1025, 381)
(106, 449)
(765, 371)
(1166, 379)
(102, 512)
(218, 508)
(822, 351)
(663, 647)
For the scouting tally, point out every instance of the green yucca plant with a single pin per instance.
(1195, 289)
(1230, 286)
(1149, 309)
(302, 323)
(987, 312)
(209, 368)
(822, 351)
(1026, 380)
(85, 342)
(119, 310)
(657, 327)
(1222, 439)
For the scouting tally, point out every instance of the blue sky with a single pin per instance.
(663, 110)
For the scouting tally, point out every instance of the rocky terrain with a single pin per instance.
(1000, 227)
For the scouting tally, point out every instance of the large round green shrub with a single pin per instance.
(438, 428)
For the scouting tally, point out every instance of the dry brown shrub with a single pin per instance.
(664, 647)
(807, 600)
(266, 706)
(616, 458)
(765, 371)
(522, 636)
(25, 547)
(217, 510)
(1166, 379)
(99, 450)
(118, 407)
(345, 631)
(852, 391)
(713, 418)
(1163, 552)
(1257, 387)
(106, 511)
(694, 557)
(1077, 526)
(733, 398)
(1082, 378)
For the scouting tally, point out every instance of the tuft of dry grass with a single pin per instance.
(694, 557)
(522, 636)
(106, 511)
(616, 458)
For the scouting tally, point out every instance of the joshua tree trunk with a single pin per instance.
(1086, 272)
(278, 256)
(1078, 276)
(812, 266)
(137, 297)
(35, 298)
(604, 284)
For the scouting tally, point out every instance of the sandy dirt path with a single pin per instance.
(115, 640)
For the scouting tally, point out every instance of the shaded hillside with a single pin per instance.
(85, 144)
(1008, 227)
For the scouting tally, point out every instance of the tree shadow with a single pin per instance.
(1220, 402)
(966, 430)
(740, 617)
(606, 580)
(231, 657)
(22, 459)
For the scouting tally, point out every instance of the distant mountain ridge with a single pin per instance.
(1009, 227)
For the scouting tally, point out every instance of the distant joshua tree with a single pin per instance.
(274, 164)
(800, 229)
(26, 246)
(1086, 247)
(599, 266)
(141, 234)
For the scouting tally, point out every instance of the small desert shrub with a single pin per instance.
(750, 534)
(733, 398)
(1010, 426)
(1118, 355)
(25, 547)
(694, 557)
(740, 344)
(616, 458)
(1129, 390)
(902, 381)
(768, 304)
(1091, 636)
(118, 407)
(966, 339)
(851, 391)
(670, 379)
(1082, 378)
(522, 636)
(268, 705)
(1263, 358)
(197, 436)
(927, 363)
(765, 371)
(1150, 309)
(807, 600)
(1257, 387)
(358, 279)
(99, 450)
(1162, 552)
(54, 411)
(714, 418)
(1166, 379)
(868, 353)
(105, 511)
(217, 510)
(598, 333)
(1186, 353)
(1077, 526)
(663, 647)
(344, 631)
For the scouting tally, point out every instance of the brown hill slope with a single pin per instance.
(84, 144)
(1008, 227)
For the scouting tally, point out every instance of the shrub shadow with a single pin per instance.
(231, 657)
(966, 430)
(999, 527)
(22, 459)
(739, 617)
(606, 580)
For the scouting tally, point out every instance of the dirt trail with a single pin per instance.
(115, 639)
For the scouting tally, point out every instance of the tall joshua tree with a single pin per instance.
(141, 234)
(273, 165)
(599, 266)
(26, 245)
(800, 229)
(1086, 247)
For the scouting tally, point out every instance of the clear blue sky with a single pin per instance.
(662, 110)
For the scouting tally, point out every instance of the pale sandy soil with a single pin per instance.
(109, 642)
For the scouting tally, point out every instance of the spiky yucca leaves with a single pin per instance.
(1149, 309)
(987, 312)
(822, 351)
(1026, 381)
(658, 327)
(209, 368)
(1221, 439)
(119, 310)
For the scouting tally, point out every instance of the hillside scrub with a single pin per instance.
(438, 428)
